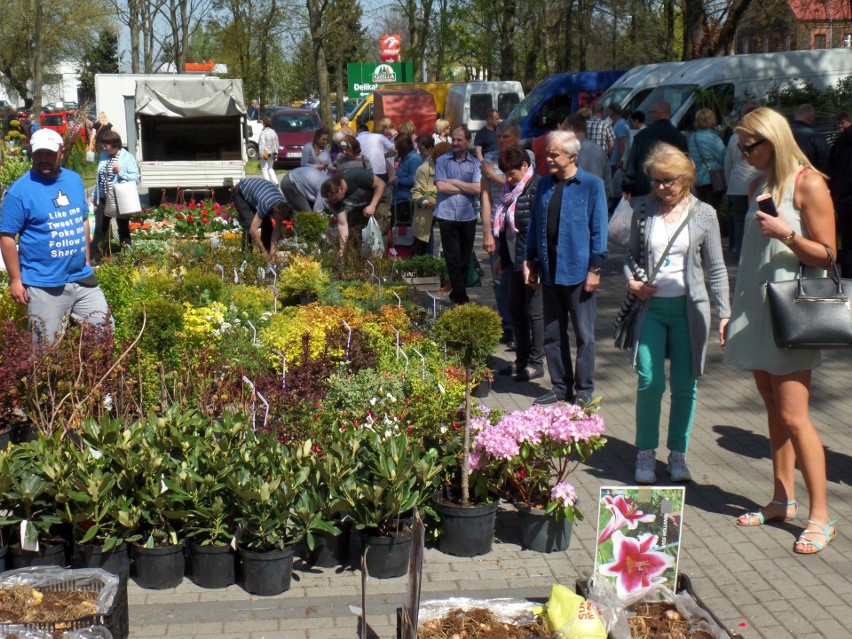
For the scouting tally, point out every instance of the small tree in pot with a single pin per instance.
(474, 331)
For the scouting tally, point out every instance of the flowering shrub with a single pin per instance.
(535, 451)
(152, 229)
(197, 218)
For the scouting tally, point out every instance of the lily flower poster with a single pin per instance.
(639, 531)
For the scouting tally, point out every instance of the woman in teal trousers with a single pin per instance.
(674, 314)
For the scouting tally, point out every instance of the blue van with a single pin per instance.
(563, 91)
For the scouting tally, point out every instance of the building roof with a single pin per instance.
(820, 10)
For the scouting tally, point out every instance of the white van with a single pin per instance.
(634, 86)
(724, 83)
(468, 103)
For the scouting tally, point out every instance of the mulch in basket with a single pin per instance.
(478, 623)
(23, 604)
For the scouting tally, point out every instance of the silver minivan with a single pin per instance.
(469, 102)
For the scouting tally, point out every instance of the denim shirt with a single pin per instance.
(582, 228)
(129, 170)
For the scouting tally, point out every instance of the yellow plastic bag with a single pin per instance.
(571, 616)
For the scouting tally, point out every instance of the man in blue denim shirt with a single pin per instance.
(566, 248)
(457, 180)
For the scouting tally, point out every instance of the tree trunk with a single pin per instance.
(507, 40)
(465, 470)
(38, 58)
(316, 11)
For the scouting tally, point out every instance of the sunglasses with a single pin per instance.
(666, 183)
(748, 149)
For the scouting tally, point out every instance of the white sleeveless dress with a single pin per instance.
(751, 344)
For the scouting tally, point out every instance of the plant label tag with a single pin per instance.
(95, 453)
(235, 540)
(442, 389)
(163, 487)
(29, 536)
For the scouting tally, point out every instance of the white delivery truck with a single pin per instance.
(723, 83)
(187, 131)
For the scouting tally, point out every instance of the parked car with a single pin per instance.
(295, 128)
(65, 123)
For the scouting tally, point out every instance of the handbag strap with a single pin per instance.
(835, 277)
(700, 154)
(668, 248)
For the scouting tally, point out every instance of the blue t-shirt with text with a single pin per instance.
(49, 216)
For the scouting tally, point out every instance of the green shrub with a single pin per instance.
(201, 288)
(310, 226)
(163, 326)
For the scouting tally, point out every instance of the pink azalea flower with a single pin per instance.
(635, 566)
(564, 493)
(624, 513)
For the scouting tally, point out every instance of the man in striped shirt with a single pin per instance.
(261, 208)
(458, 181)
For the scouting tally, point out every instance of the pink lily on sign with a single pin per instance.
(635, 566)
(624, 513)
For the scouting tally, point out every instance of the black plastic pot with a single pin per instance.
(482, 389)
(465, 532)
(387, 557)
(266, 572)
(543, 533)
(116, 561)
(47, 555)
(5, 437)
(331, 550)
(213, 566)
(158, 568)
(3, 551)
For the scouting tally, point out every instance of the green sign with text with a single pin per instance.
(366, 77)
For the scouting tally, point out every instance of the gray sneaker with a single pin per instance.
(646, 460)
(677, 467)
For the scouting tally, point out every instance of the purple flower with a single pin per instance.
(564, 493)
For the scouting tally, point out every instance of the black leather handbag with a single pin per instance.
(811, 312)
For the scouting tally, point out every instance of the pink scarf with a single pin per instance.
(506, 207)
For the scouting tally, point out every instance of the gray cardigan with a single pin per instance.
(705, 253)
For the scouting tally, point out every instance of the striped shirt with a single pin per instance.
(261, 195)
(458, 207)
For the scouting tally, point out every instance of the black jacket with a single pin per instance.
(635, 181)
(812, 143)
(523, 212)
(840, 182)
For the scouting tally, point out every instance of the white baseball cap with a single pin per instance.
(46, 139)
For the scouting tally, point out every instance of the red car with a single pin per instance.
(65, 123)
(295, 128)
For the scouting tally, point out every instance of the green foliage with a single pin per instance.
(200, 288)
(473, 329)
(310, 226)
(163, 325)
(392, 477)
(422, 266)
(13, 167)
(833, 100)
(99, 57)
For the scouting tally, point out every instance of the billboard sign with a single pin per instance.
(390, 44)
(366, 77)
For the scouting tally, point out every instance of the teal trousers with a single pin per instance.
(665, 330)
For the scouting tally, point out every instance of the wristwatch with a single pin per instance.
(789, 239)
(596, 270)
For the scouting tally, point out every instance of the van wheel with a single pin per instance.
(251, 151)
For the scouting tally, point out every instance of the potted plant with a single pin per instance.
(266, 484)
(31, 507)
(535, 451)
(93, 491)
(209, 524)
(393, 475)
(423, 271)
(322, 507)
(467, 523)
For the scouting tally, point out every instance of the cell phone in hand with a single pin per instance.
(766, 205)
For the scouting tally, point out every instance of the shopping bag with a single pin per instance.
(618, 229)
(371, 237)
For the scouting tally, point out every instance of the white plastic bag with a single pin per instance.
(372, 237)
(618, 229)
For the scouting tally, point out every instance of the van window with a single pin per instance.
(479, 105)
(719, 97)
(506, 103)
(636, 100)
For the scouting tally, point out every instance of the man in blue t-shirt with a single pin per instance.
(49, 268)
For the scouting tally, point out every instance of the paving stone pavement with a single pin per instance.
(749, 577)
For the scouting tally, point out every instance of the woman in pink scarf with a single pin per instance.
(510, 224)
